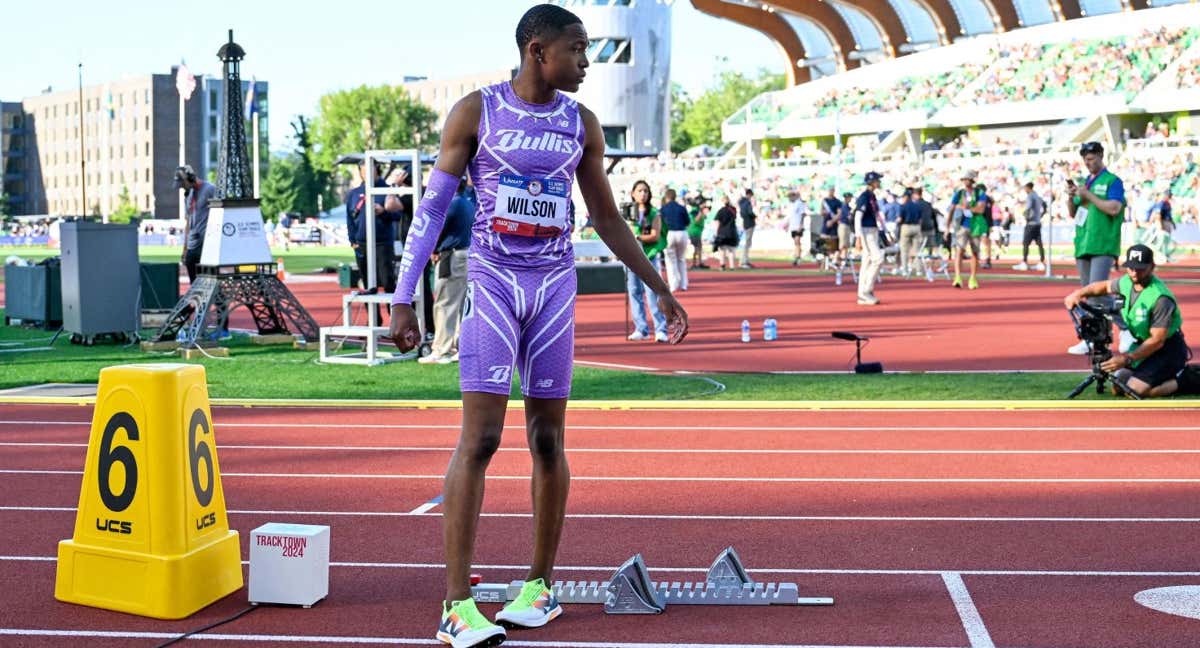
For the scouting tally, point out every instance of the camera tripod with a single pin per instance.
(1100, 376)
(1095, 327)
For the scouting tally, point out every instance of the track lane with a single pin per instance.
(782, 466)
(901, 545)
(1072, 500)
(404, 603)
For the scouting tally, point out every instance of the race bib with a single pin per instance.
(1081, 216)
(535, 207)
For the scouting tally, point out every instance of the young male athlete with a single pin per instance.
(524, 143)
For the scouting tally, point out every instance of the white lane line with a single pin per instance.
(717, 480)
(682, 428)
(424, 510)
(427, 506)
(977, 632)
(402, 641)
(608, 569)
(683, 451)
(613, 365)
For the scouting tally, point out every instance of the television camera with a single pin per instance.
(1093, 322)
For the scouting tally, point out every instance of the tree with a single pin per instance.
(4, 206)
(699, 119)
(126, 209)
(280, 192)
(382, 117)
(681, 105)
(311, 180)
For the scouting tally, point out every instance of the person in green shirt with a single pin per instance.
(1098, 203)
(1152, 314)
(695, 230)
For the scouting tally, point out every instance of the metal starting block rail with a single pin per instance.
(630, 590)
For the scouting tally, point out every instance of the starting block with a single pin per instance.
(630, 590)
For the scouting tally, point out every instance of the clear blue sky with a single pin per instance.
(306, 48)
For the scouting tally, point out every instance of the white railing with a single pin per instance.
(1007, 150)
(1161, 143)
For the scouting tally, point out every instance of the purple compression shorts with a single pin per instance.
(518, 317)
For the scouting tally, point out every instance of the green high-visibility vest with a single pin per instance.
(1139, 304)
(1097, 233)
(651, 249)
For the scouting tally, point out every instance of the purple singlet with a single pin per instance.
(520, 308)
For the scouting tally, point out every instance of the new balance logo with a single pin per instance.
(500, 374)
(513, 139)
(545, 383)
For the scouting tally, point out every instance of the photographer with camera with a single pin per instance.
(1152, 314)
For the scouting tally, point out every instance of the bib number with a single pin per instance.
(533, 207)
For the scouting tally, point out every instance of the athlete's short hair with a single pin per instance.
(543, 20)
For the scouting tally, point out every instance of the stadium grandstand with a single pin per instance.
(1013, 104)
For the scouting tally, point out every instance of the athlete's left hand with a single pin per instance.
(677, 319)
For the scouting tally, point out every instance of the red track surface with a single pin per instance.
(1053, 521)
(1006, 325)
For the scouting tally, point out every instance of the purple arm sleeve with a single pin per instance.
(423, 234)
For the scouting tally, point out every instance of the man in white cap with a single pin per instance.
(966, 226)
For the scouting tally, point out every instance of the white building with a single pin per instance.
(628, 85)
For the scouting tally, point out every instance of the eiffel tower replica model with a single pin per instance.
(235, 267)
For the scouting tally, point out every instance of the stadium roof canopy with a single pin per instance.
(836, 35)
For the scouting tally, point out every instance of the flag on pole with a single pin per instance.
(251, 99)
(185, 83)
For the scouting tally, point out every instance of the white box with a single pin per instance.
(289, 564)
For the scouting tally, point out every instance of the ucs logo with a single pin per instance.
(229, 229)
(114, 526)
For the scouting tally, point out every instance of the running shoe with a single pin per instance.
(464, 626)
(638, 335)
(1126, 341)
(957, 281)
(972, 283)
(1021, 266)
(1082, 348)
(1040, 267)
(534, 608)
(660, 336)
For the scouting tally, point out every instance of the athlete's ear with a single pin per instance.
(537, 51)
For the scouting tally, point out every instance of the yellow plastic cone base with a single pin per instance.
(151, 534)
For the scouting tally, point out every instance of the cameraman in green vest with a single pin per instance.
(1152, 314)
(1099, 207)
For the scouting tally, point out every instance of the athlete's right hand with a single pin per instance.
(404, 331)
(677, 318)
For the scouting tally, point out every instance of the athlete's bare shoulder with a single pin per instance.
(466, 111)
(460, 133)
(593, 135)
(586, 114)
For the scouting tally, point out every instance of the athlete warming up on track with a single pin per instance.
(524, 143)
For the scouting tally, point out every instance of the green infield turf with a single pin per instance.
(255, 371)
